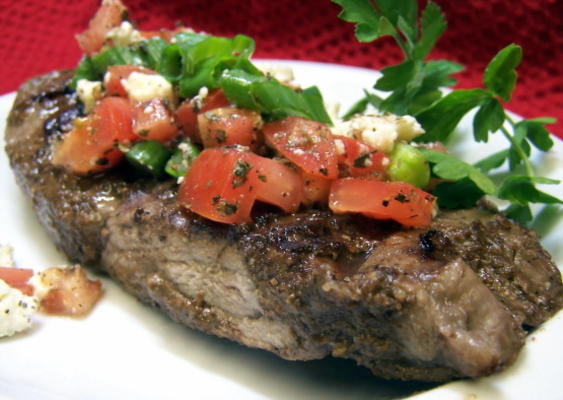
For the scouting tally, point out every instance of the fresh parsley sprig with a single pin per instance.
(415, 87)
(414, 84)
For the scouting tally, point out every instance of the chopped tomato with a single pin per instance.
(227, 126)
(91, 146)
(316, 188)
(116, 73)
(277, 184)
(223, 184)
(308, 144)
(69, 291)
(17, 278)
(153, 120)
(358, 159)
(217, 186)
(187, 112)
(110, 15)
(399, 201)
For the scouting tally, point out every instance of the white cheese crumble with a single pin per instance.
(145, 87)
(340, 149)
(16, 310)
(88, 92)
(6, 257)
(281, 73)
(124, 35)
(381, 131)
(200, 97)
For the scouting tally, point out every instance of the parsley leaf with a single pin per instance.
(493, 161)
(395, 77)
(370, 24)
(433, 26)
(534, 130)
(452, 168)
(489, 118)
(459, 194)
(500, 75)
(520, 190)
(442, 118)
(520, 213)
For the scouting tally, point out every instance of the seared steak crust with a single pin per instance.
(431, 304)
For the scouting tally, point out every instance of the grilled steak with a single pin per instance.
(451, 300)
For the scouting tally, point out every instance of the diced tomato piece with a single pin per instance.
(316, 188)
(110, 15)
(82, 153)
(113, 121)
(114, 75)
(69, 292)
(91, 146)
(399, 201)
(227, 126)
(187, 112)
(217, 186)
(277, 184)
(358, 159)
(17, 278)
(308, 144)
(153, 120)
(223, 184)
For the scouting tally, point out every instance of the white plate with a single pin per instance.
(125, 350)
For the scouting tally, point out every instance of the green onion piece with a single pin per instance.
(187, 40)
(408, 164)
(182, 159)
(149, 157)
(171, 63)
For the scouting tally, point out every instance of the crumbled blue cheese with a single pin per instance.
(145, 87)
(16, 310)
(88, 92)
(380, 131)
(124, 35)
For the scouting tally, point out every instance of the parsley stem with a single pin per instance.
(518, 149)
(401, 45)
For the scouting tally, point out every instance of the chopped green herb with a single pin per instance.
(240, 173)
(221, 135)
(226, 208)
(361, 161)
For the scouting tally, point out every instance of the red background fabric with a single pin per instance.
(37, 36)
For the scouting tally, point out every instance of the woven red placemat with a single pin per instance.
(37, 36)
